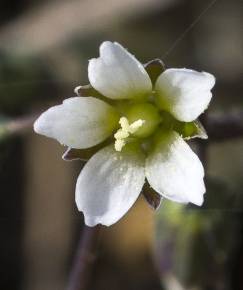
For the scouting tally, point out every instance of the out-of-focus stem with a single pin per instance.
(84, 259)
(224, 126)
(17, 126)
(219, 128)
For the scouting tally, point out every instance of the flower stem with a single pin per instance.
(84, 259)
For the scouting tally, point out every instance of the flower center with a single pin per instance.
(124, 132)
(139, 121)
(147, 112)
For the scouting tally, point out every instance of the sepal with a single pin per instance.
(72, 154)
(191, 130)
(154, 69)
(151, 196)
(86, 91)
(89, 91)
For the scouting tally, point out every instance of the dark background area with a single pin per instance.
(44, 51)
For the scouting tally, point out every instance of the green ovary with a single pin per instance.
(162, 102)
(146, 112)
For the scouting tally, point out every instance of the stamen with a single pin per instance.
(125, 131)
(119, 144)
(121, 134)
(136, 125)
(124, 123)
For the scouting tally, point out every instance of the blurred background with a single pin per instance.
(44, 51)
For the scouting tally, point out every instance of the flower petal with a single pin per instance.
(108, 185)
(78, 122)
(175, 171)
(117, 74)
(184, 93)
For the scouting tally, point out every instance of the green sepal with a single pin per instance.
(154, 69)
(191, 130)
(188, 130)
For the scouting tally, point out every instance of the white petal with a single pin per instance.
(184, 93)
(117, 74)
(175, 171)
(79, 122)
(108, 185)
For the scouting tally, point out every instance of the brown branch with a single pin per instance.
(21, 124)
(18, 125)
(224, 126)
(84, 259)
(219, 127)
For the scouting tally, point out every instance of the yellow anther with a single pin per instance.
(125, 131)
(119, 143)
(124, 123)
(136, 125)
(121, 134)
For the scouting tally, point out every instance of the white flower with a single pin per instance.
(146, 123)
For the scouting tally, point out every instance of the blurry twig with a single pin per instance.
(219, 127)
(224, 126)
(17, 126)
(84, 259)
